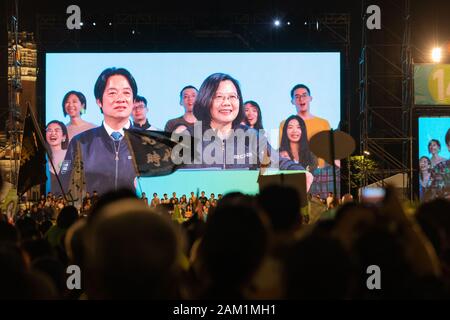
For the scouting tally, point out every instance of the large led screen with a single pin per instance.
(265, 78)
(434, 157)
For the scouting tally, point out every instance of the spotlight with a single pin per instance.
(367, 153)
(436, 55)
(133, 32)
(81, 23)
(276, 23)
(93, 23)
(306, 23)
(110, 23)
(288, 23)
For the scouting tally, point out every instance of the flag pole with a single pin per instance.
(133, 159)
(44, 143)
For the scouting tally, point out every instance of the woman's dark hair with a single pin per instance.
(185, 88)
(205, 98)
(80, 96)
(141, 99)
(437, 142)
(65, 143)
(305, 157)
(258, 124)
(233, 251)
(299, 86)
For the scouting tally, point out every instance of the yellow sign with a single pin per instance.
(432, 84)
(439, 84)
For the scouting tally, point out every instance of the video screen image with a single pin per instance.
(265, 92)
(434, 157)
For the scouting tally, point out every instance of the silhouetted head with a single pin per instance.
(282, 206)
(233, 245)
(131, 253)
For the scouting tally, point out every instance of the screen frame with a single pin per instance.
(422, 112)
(344, 78)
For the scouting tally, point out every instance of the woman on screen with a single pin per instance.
(425, 176)
(219, 107)
(74, 105)
(219, 104)
(294, 148)
(253, 116)
(56, 136)
(434, 147)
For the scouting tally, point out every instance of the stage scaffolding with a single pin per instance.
(14, 127)
(385, 93)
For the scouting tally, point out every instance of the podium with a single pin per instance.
(291, 178)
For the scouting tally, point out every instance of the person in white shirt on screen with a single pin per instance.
(74, 105)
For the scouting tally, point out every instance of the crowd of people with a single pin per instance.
(232, 246)
(184, 207)
(48, 207)
(249, 247)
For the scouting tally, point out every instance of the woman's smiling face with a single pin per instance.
(54, 135)
(225, 104)
(73, 106)
(294, 132)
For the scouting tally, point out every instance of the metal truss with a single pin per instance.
(385, 75)
(15, 88)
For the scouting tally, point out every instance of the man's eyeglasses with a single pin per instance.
(221, 98)
(299, 96)
(139, 108)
